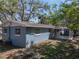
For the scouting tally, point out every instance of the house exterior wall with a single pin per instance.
(18, 40)
(5, 36)
(34, 38)
(59, 36)
(26, 35)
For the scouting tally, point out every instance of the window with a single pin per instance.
(5, 30)
(36, 31)
(65, 32)
(17, 31)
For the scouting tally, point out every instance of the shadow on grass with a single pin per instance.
(6, 47)
(64, 50)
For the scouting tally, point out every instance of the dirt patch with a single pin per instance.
(6, 54)
(13, 51)
(5, 50)
(10, 51)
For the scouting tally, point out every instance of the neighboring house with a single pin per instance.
(62, 33)
(24, 34)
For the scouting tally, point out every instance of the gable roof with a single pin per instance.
(7, 23)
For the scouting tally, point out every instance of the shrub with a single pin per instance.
(64, 50)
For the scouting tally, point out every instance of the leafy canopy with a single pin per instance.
(66, 15)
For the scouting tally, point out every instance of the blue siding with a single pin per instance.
(37, 38)
(20, 39)
(5, 35)
(27, 35)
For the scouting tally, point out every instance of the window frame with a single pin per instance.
(66, 32)
(5, 30)
(17, 31)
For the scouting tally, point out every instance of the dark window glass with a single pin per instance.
(5, 30)
(17, 31)
(66, 32)
(35, 30)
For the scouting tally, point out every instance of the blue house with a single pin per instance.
(24, 34)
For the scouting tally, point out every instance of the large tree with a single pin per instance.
(71, 15)
(25, 9)
(8, 8)
(67, 15)
(33, 8)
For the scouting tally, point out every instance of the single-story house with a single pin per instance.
(62, 33)
(24, 34)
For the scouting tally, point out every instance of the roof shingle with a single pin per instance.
(7, 23)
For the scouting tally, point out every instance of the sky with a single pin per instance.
(50, 2)
(54, 1)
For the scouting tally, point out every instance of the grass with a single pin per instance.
(6, 47)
